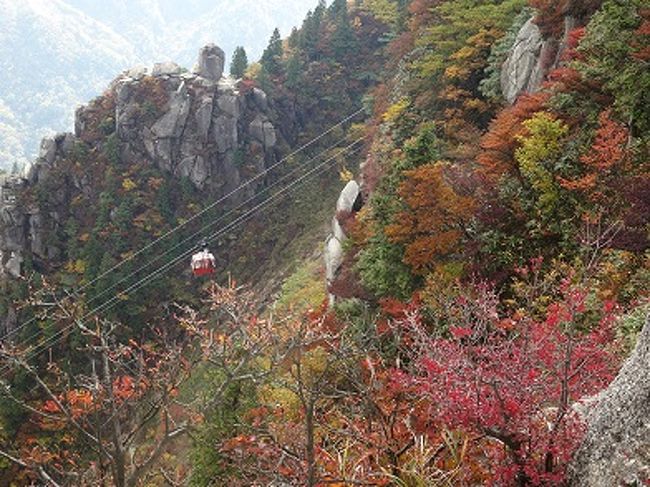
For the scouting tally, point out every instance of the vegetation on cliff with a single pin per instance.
(494, 279)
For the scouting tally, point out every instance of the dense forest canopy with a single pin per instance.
(493, 271)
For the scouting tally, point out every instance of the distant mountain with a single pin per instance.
(54, 54)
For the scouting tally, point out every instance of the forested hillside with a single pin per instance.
(479, 314)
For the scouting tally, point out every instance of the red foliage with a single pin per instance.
(514, 380)
(609, 148)
(550, 16)
(643, 47)
(608, 152)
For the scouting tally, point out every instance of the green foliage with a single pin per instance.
(380, 265)
(631, 324)
(387, 11)
(239, 63)
(79, 152)
(424, 146)
(295, 68)
(343, 41)
(150, 110)
(223, 422)
(112, 149)
(460, 19)
(608, 49)
(107, 126)
(303, 290)
(310, 32)
(537, 157)
(271, 60)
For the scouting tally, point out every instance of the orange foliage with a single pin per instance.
(432, 225)
(499, 143)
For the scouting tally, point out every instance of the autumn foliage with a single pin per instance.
(432, 225)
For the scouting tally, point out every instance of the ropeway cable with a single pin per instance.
(223, 198)
(60, 335)
(195, 216)
(196, 234)
(193, 237)
(142, 282)
(317, 170)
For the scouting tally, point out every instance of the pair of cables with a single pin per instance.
(229, 227)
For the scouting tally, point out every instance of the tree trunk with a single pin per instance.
(311, 460)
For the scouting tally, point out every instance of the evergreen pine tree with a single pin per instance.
(343, 38)
(311, 31)
(272, 57)
(294, 39)
(294, 72)
(239, 63)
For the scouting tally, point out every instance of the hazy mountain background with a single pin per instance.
(55, 54)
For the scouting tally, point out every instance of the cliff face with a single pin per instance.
(616, 448)
(531, 58)
(198, 128)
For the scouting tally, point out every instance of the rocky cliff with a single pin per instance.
(616, 448)
(172, 125)
(531, 58)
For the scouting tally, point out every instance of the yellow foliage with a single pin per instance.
(128, 184)
(78, 266)
(396, 110)
(456, 72)
(253, 71)
(346, 175)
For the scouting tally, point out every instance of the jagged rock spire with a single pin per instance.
(210, 63)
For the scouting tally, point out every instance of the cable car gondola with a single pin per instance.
(203, 262)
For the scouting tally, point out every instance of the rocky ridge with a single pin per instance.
(197, 125)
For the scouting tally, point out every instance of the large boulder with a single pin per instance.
(350, 198)
(203, 118)
(195, 169)
(616, 447)
(333, 257)
(165, 69)
(262, 130)
(47, 152)
(520, 72)
(224, 132)
(349, 201)
(211, 62)
(171, 124)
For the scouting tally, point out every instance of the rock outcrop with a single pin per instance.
(198, 126)
(348, 202)
(211, 62)
(530, 59)
(519, 73)
(616, 448)
(204, 123)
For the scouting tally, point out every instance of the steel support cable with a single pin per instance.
(196, 234)
(60, 335)
(213, 223)
(195, 216)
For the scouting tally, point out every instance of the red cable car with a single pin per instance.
(203, 263)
